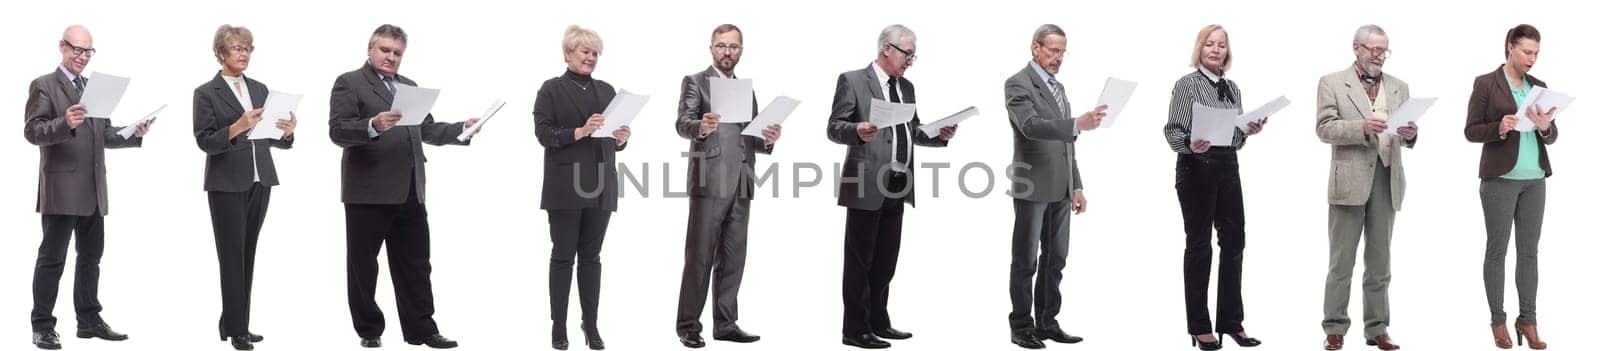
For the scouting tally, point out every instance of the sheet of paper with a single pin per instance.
(1409, 112)
(886, 114)
(1212, 124)
(1545, 99)
(413, 103)
(470, 132)
(1260, 113)
(277, 108)
(1115, 97)
(127, 132)
(932, 128)
(731, 99)
(775, 113)
(620, 112)
(102, 94)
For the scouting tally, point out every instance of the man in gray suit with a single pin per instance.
(382, 177)
(1366, 183)
(876, 183)
(721, 183)
(72, 189)
(1044, 172)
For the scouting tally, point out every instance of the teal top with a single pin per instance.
(1527, 167)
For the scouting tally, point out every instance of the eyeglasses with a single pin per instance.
(727, 47)
(911, 56)
(85, 52)
(1380, 52)
(242, 49)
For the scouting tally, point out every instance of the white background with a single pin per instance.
(490, 241)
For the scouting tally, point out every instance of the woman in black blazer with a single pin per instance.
(580, 179)
(239, 173)
(1512, 170)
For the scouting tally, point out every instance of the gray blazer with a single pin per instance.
(231, 166)
(72, 161)
(721, 165)
(865, 171)
(380, 170)
(1045, 161)
(1342, 109)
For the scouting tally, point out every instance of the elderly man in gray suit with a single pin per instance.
(72, 189)
(876, 183)
(1366, 183)
(1044, 171)
(721, 183)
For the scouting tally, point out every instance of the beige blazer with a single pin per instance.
(1342, 109)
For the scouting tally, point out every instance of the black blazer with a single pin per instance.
(382, 169)
(1491, 100)
(589, 164)
(72, 161)
(229, 167)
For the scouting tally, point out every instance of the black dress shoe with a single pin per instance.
(737, 335)
(47, 340)
(1055, 334)
(255, 338)
(1245, 342)
(371, 343)
(1205, 345)
(558, 335)
(691, 340)
(241, 344)
(891, 334)
(435, 341)
(591, 336)
(101, 330)
(1026, 340)
(866, 341)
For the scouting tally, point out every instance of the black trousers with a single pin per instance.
(1209, 192)
(1040, 239)
(52, 260)
(236, 219)
(713, 248)
(405, 228)
(871, 251)
(576, 233)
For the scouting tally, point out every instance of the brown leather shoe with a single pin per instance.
(1502, 338)
(1531, 332)
(1383, 342)
(1334, 342)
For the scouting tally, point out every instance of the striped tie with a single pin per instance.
(1061, 97)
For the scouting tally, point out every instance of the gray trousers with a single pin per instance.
(1507, 202)
(1345, 226)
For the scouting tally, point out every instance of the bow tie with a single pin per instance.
(1224, 91)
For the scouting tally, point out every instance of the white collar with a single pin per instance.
(1211, 76)
(70, 76)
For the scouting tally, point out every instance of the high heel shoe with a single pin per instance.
(1194, 340)
(1244, 341)
(1531, 332)
(591, 336)
(1502, 338)
(558, 335)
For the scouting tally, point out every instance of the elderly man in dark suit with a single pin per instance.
(72, 189)
(876, 183)
(382, 180)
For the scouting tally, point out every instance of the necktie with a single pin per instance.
(389, 82)
(902, 151)
(78, 83)
(1061, 97)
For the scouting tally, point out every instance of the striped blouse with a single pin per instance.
(1196, 86)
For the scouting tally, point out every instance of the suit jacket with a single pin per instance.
(1046, 161)
(380, 170)
(229, 163)
(1491, 101)
(866, 163)
(577, 173)
(72, 161)
(1342, 109)
(721, 164)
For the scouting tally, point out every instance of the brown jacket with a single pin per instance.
(1491, 100)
